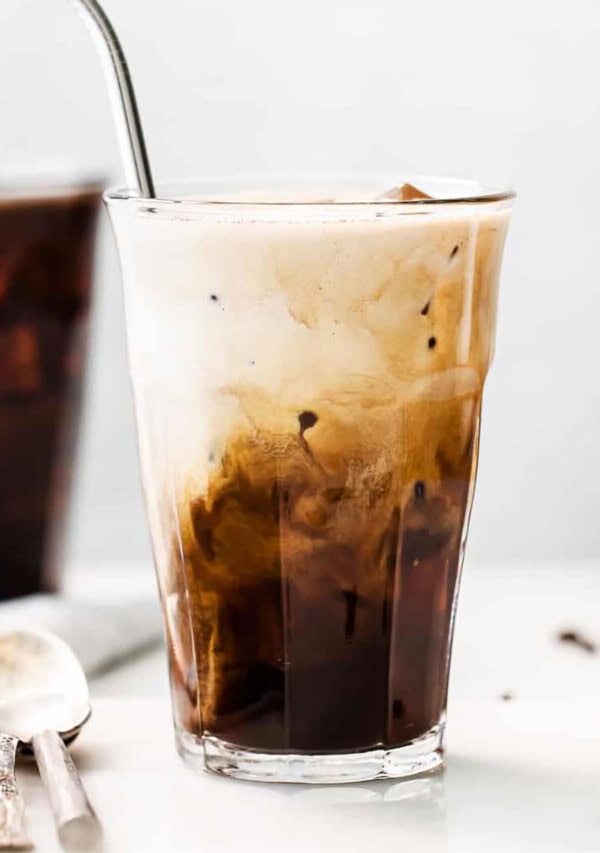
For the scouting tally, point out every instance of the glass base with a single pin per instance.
(420, 756)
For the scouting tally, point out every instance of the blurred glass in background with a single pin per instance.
(47, 233)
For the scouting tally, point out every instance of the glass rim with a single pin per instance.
(49, 186)
(488, 194)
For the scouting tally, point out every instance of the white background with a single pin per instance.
(506, 90)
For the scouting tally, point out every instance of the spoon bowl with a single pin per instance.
(44, 702)
(42, 686)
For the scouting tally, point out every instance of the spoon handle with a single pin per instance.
(76, 822)
(12, 807)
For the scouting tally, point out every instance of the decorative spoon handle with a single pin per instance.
(77, 825)
(12, 807)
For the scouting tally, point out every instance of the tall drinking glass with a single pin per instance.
(47, 236)
(308, 365)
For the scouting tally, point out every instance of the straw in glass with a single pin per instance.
(125, 104)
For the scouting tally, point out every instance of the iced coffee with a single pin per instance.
(46, 245)
(308, 377)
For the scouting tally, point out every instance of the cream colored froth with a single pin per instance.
(238, 326)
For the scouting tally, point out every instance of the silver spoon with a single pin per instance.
(12, 808)
(44, 702)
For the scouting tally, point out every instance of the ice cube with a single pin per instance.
(407, 192)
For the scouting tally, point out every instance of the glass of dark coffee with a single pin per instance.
(308, 365)
(46, 246)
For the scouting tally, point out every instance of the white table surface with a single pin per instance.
(521, 775)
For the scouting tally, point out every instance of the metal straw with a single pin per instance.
(134, 146)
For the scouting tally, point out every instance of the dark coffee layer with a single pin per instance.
(321, 588)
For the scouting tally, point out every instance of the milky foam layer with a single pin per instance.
(242, 322)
